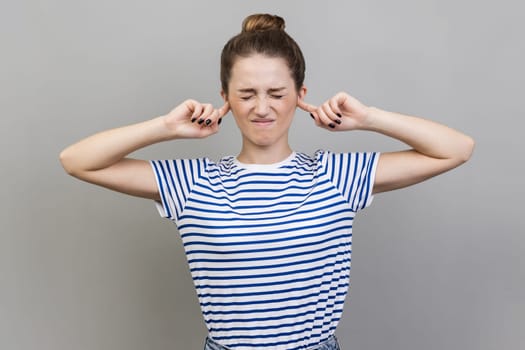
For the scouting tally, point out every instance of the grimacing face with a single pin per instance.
(263, 100)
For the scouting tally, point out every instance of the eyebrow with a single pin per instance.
(251, 90)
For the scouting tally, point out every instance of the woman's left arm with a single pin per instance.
(435, 148)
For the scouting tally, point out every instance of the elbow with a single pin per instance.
(67, 163)
(466, 150)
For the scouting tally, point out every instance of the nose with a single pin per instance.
(262, 107)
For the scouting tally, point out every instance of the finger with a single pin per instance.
(204, 118)
(212, 118)
(306, 106)
(196, 113)
(347, 102)
(324, 119)
(195, 108)
(311, 109)
(224, 110)
(334, 105)
(212, 122)
(221, 112)
(327, 108)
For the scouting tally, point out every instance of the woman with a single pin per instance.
(268, 232)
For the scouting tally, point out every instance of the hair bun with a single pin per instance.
(262, 22)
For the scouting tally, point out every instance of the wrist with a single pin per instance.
(150, 131)
(372, 119)
(164, 128)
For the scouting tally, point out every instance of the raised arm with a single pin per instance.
(435, 148)
(100, 159)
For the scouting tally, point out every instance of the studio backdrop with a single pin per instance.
(436, 266)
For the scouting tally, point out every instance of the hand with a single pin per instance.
(340, 113)
(192, 119)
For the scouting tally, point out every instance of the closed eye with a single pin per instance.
(277, 97)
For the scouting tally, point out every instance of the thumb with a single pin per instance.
(306, 106)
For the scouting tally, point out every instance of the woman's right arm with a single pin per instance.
(101, 158)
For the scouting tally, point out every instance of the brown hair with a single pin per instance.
(263, 34)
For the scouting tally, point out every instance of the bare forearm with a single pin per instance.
(436, 148)
(427, 137)
(108, 147)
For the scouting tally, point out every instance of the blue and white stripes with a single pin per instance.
(268, 246)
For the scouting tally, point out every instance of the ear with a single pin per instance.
(224, 96)
(302, 93)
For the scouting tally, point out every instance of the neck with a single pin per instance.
(264, 155)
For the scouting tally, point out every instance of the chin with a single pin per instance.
(264, 143)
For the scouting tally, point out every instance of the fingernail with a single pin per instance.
(337, 121)
(193, 120)
(200, 121)
(311, 115)
(339, 115)
(332, 125)
(220, 120)
(208, 121)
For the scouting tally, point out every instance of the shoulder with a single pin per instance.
(329, 156)
(195, 167)
(345, 163)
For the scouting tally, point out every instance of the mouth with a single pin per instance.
(262, 122)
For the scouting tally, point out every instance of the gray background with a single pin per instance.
(435, 266)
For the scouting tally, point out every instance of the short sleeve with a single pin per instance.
(175, 181)
(352, 174)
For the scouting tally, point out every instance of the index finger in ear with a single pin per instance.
(224, 109)
(306, 106)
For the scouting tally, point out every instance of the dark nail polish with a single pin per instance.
(200, 121)
(208, 121)
(219, 122)
(332, 125)
(311, 115)
(193, 120)
(337, 121)
(339, 115)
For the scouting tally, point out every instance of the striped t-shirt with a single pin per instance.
(268, 246)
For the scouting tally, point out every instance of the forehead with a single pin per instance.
(260, 71)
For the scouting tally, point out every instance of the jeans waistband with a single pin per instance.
(328, 344)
